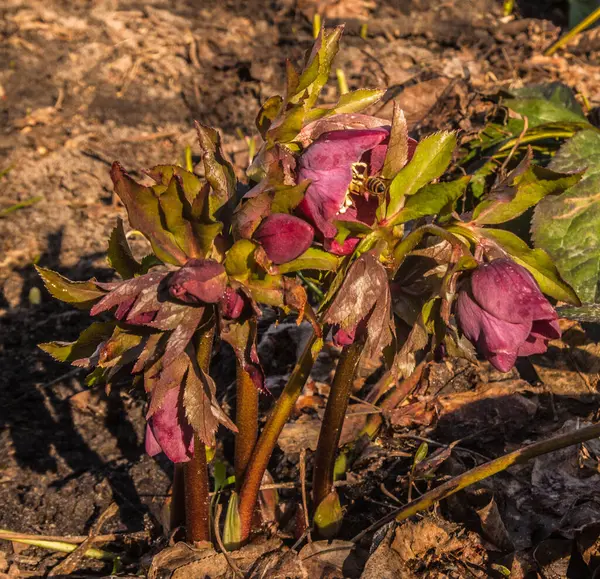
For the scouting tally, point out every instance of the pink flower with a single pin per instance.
(503, 312)
(199, 281)
(284, 237)
(327, 162)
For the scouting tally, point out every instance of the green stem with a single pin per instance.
(195, 471)
(333, 420)
(563, 40)
(484, 471)
(268, 437)
(246, 420)
(414, 238)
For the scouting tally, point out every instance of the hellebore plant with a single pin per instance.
(338, 201)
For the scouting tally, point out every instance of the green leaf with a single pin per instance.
(421, 454)
(143, 210)
(580, 153)
(585, 313)
(431, 159)
(288, 126)
(527, 189)
(267, 114)
(432, 200)
(552, 97)
(217, 170)
(397, 151)
(267, 291)
(83, 347)
(326, 47)
(239, 261)
(287, 197)
(568, 228)
(312, 258)
(357, 100)
(119, 255)
(112, 351)
(308, 76)
(540, 112)
(163, 174)
(171, 204)
(83, 294)
(537, 261)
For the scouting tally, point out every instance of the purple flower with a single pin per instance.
(199, 281)
(327, 162)
(284, 237)
(503, 312)
(169, 431)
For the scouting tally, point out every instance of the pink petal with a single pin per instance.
(152, 446)
(509, 292)
(327, 163)
(171, 430)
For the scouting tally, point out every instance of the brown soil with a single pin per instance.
(84, 83)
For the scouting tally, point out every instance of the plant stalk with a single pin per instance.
(564, 40)
(177, 511)
(333, 420)
(195, 472)
(246, 420)
(268, 437)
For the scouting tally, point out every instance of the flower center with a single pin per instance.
(359, 177)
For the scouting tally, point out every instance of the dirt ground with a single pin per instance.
(85, 83)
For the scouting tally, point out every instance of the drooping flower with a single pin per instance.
(503, 312)
(199, 281)
(169, 431)
(328, 162)
(284, 237)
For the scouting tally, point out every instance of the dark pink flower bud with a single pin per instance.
(169, 431)
(504, 313)
(199, 281)
(232, 304)
(344, 337)
(284, 237)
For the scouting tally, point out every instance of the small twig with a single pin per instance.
(303, 488)
(563, 40)
(226, 554)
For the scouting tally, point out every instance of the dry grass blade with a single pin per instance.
(71, 561)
